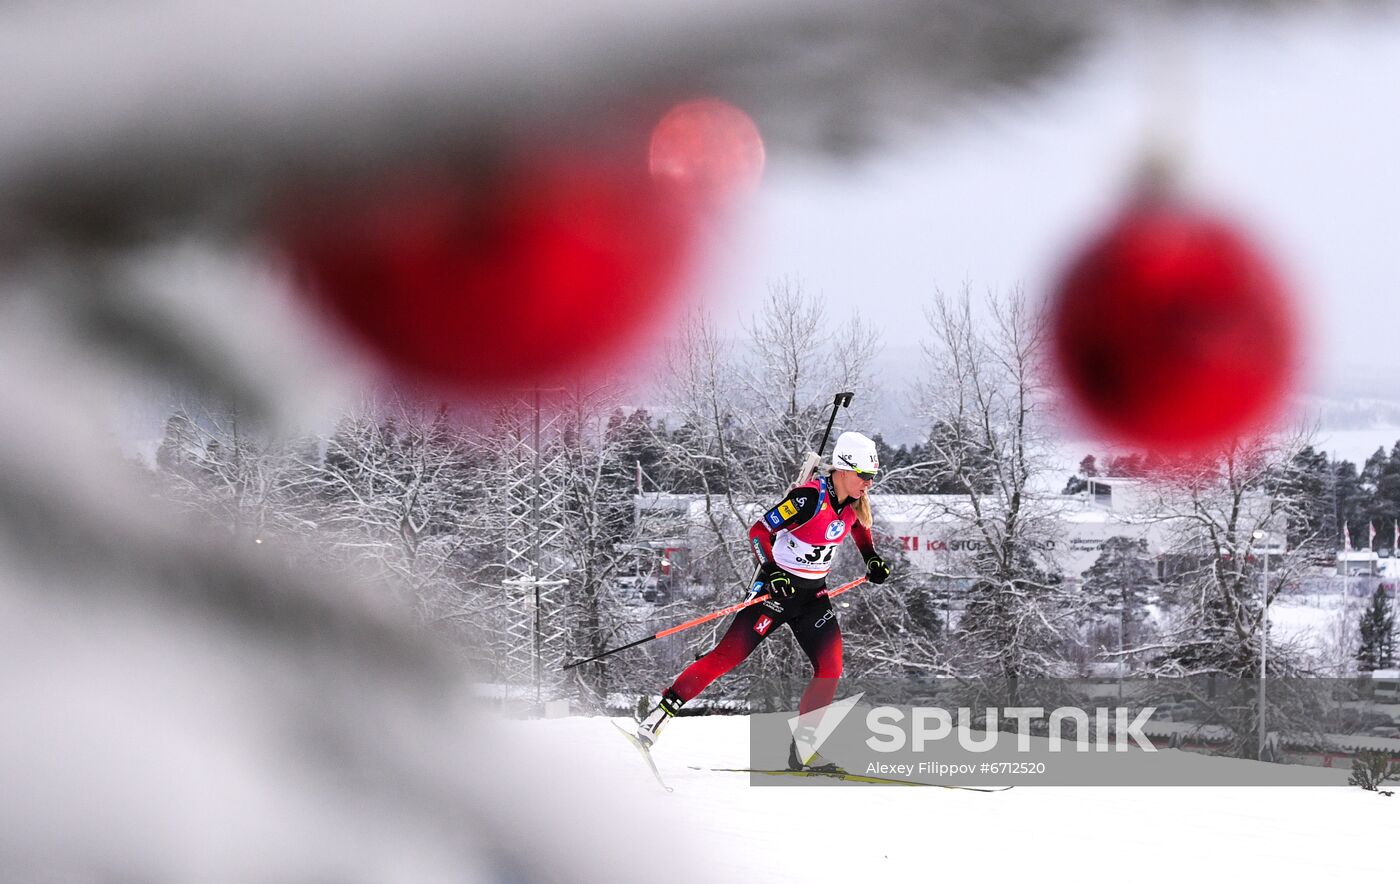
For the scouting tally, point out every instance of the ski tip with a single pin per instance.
(645, 753)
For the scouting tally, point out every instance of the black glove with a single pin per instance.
(780, 585)
(876, 571)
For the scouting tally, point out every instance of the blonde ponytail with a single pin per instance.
(863, 510)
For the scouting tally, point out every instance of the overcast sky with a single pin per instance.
(1290, 125)
(1291, 128)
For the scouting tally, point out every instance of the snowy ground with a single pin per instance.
(1324, 624)
(722, 828)
(1315, 620)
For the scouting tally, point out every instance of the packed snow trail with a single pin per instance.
(846, 776)
(849, 832)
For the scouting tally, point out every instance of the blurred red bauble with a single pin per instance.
(497, 275)
(1171, 332)
(707, 150)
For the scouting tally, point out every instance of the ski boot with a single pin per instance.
(649, 731)
(814, 762)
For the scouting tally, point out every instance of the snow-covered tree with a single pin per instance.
(987, 405)
(393, 497)
(601, 449)
(1223, 515)
(230, 475)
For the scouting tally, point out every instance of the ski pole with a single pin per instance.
(829, 593)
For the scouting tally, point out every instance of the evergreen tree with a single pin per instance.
(1372, 509)
(1088, 469)
(1126, 466)
(1349, 499)
(1377, 649)
(1122, 581)
(966, 464)
(636, 441)
(900, 470)
(1310, 484)
(1373, 467)
(1388, 484)
(1384, 506)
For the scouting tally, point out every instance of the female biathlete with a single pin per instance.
(793, 543)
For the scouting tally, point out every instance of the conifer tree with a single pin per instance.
(1377, 649)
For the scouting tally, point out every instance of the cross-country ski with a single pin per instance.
(644, 751)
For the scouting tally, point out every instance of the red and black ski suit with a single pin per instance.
(798, 536)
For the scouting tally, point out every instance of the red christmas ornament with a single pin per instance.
(708, 150)
(499, 275)
(1171, 332)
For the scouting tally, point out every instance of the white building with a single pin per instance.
(1386, 684)
(1358, 563)
(930, 530)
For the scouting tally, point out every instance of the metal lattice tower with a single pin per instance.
(531, 644)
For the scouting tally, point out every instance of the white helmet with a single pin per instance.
(855, 452)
